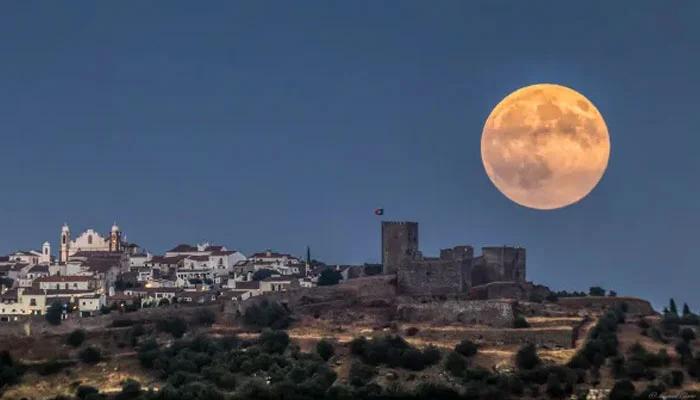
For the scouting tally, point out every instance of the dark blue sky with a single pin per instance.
(280, 124)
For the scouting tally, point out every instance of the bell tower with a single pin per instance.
(115, 239)
(65, 244)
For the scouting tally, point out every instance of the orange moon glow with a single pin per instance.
(545, 146)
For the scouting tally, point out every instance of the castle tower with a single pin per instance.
(399, 244)
(65, 244)
(115, 239)
(45, 253)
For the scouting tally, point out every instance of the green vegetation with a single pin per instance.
(54, 313)
(329, 277)
(520, 322)
(527, 358)
(90, 355)
(10, 372)
(325, 349)
(267, 315)
(175, 326)
(393, 351)
(467, 348)
(76, 338)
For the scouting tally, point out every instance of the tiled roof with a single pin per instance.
(182, 248)
(64, 278)
(248, 285)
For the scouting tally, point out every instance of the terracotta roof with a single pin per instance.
(279, 279)
(183, 248)
(271, 254)
(214, 248)
(248, 285)
(166, 260)
(222, 252)
(64, 278)
(198, 258)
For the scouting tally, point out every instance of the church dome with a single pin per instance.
(65, 228)
(115, 228)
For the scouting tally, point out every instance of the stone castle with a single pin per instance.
(455, 271)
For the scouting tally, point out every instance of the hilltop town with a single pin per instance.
(107, 319)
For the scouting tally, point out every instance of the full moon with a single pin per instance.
(545, 146)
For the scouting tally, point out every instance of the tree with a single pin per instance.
(54, 314)
(83, 391)
(76, 338)
(130, 389)
(455, 364)
(672, 307)
(612, 293)
(596, 291)
(262, 274)
(520, 322)
(527, 357)
(467, 348)
(623, 390)
(360, 373)
(687, 334)
(329, 277)
(554, 387)
(325, 349)
(686, 310)
(90, 355)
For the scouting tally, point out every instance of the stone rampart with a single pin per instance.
(493, 313)
(634, 305)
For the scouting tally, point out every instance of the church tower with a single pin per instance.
(45, 253)
(115, 239)
(65, 244)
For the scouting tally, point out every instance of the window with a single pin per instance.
(32, 302)
(89, 239)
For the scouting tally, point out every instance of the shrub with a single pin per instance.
(52, 366)
(623, 390)
(412, 331)
(325, 349)
(130, 389)
(83, 392)
(90, 355)
(358, 346)
(527, 357)
(267, 315)
(360, 373)
(554, 388)
(674, 378)
(54, 313)
(175, 326)
(687, 334)
(467, 348)
(520, 322)
(76, 338)
(455, 364)
(206, 317)
(329, 277)
(273, 341)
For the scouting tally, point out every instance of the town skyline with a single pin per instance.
(241, 124)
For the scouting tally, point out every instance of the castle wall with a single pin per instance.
(399, 244)
(634, 305)
(433, 277)
(492, 313)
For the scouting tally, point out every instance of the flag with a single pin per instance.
(378, 211)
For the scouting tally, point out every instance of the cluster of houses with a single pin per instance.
(96, 273)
